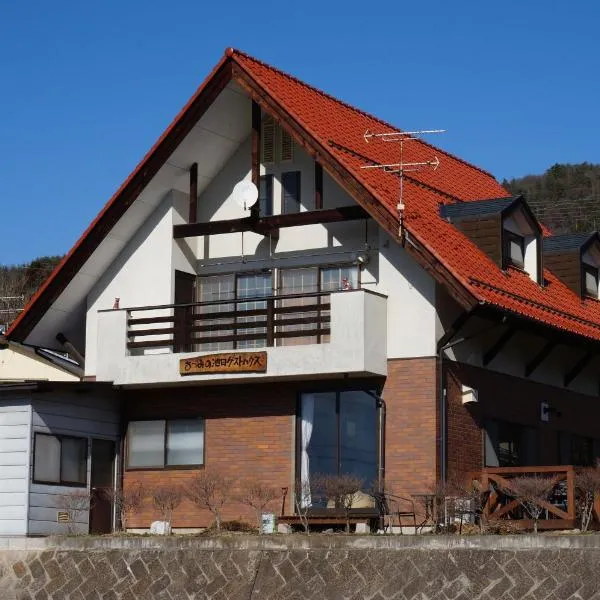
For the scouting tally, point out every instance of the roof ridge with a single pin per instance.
(233, 51)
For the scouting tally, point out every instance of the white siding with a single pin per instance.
(15, 428)
(79, 415)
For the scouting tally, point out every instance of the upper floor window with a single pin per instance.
(514, 249)
(159, 444)
(590, 280)
(521, 235)
(290, 192)
(265, 196)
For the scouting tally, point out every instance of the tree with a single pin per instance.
(343, 490)
(530, 491)
(166, 499)
(210, 490)
(587, 484)
(257, 496)
(303, 502)
(74, 503)
(128, 500)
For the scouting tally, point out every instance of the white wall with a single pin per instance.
(142, 274)
(22, 363)
(79, 415)
(15, 429)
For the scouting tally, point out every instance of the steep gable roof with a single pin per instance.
(333, 132)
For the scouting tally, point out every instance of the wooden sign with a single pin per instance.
(230, 362)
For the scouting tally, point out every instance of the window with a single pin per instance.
(215, 288)
(60, 460)
(165, 443)
(510, 444)
(286, 145)
(290, 192)
(338, 435)
(253, 285)
(514, 249)
(268, 140)
(265, 196)
(577, 450)
(590, 280)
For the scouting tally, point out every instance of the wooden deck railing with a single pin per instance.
(233, 323)
(501, 502)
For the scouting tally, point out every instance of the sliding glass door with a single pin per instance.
(338, 435)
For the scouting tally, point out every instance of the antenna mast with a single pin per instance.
(401, 167)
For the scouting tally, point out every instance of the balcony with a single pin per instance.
(296, 335)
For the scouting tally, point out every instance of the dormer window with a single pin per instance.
(504, 228)
(590, 281)
(514, 249)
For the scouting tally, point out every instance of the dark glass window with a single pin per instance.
(338, 435)
(590, 280)
(159, 444)
(514, 249)
(510, 445)
(290, 192)
(60, 460)
(265, 196)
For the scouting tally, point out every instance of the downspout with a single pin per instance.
(382, 410)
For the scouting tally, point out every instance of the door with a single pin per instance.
(102, 478)
(185, 287)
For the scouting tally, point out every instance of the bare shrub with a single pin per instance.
(587, 484)
(529, 491)
(166, 499)
(303, 502)
(210, 490)
(257, 496)
(128, 500)
(343, 490)
(74, 503)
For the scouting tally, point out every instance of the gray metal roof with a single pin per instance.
(476, 208)
(566, 242)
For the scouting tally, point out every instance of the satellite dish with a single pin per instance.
(245, 193)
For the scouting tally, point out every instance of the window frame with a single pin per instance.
(592, 270)
(286, 197)
(508, 260)
(165, 466)
(359, 385)
(268, 179)
(61, 482)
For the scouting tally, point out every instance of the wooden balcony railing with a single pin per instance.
(231, 324)
(501, 502)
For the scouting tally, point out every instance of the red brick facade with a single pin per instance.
(411, 452)
(250, 433)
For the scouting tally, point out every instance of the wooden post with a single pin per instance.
(571, 493)
(318, 186)
(194, 193)
(256, 131)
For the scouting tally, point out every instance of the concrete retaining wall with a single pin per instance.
(298, 567)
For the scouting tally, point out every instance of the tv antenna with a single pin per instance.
(401, 167)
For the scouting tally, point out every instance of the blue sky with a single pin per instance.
(87, 87)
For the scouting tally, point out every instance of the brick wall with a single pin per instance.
(412, 430)
(515, 400)
(249, 435)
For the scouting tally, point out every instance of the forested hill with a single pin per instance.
(19, 282)
(566, 198)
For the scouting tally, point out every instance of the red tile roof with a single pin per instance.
(340, 127)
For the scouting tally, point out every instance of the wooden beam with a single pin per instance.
(193, 193)
(256, 131)
(318, 186)
(266, 225)
(577, 368)
(539, 358)
(489, 356)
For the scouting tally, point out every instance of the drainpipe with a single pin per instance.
(381, 406)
